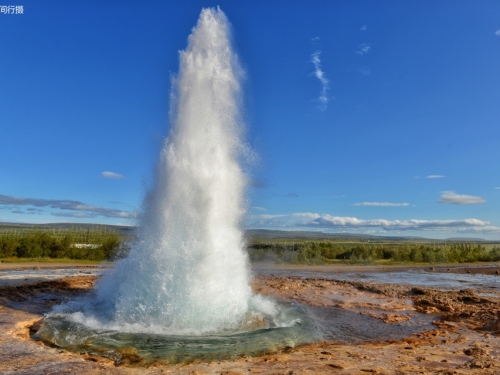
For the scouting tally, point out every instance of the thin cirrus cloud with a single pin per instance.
(380, 204)
(363, 49)
(364, 70)
(320, 75)
(434, 176)
(70, 208)
(497, 33)
(363, 28)
(450, 197)
(325, 221)
(112, 175)
(257, 208)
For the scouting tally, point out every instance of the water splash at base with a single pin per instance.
(260, 337)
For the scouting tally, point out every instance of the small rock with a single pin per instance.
(335, 365)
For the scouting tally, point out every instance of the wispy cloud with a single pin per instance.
(497, 33)
(320, 75)
(363, 28)
(364, 70)
(434, 176)
(363, 49)
(63, 204)
(79, 215)
(257, 208)
(450, 197)
(498, 188)
(112, 175)
(325, 221)
(380, 204)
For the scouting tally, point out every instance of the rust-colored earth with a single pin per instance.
(464, 338)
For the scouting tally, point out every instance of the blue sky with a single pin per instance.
(377, 117)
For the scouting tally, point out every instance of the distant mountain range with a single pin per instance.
(262, 234)
(279, 234)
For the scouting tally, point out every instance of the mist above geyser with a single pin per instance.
(188, 272)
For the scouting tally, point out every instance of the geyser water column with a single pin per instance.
(183, 291)
(188, 272)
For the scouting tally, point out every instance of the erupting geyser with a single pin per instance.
(188, 271)
(186, 280)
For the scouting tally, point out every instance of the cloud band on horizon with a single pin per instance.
(83, 210)
(325, 221)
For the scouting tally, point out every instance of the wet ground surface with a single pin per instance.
(372, 325)
(22, 275)
(444, 278)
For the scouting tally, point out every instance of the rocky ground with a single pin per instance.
(463, 339)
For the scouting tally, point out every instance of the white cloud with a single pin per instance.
(450, 197)
(320, 75)
(112, 175)
(381, 204)
(497, 33)
(325, 221)
(498, 188)
(64, 204)
(363, 49)
(434, 176)
(363, 28)
(315, 39)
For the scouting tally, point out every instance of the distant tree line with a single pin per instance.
(319, 252)
(97, 243)
(101, 243)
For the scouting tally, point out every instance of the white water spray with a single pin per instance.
(188, 272)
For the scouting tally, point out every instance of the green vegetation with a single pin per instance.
(95, 244)
(321, 251)
(98, 243)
